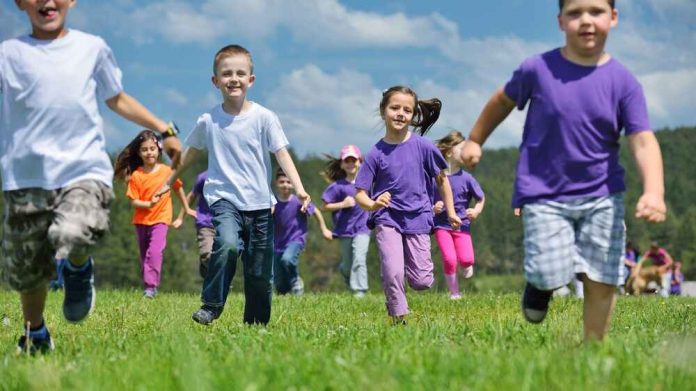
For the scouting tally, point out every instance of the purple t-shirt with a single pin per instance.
(290, 224)
(570, 144)
(464, 188)
(204, 216)
(347, 222)
(405, 171)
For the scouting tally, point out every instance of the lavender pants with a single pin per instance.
(403, 255)
(151, 239)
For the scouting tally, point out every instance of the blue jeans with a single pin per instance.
(249, 233)
(285, 267)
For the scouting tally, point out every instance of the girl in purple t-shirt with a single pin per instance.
(455, 244)
(349, 219)
(205, 231)
(393, 183)
(290, 235)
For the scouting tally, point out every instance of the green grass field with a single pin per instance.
(336, 342)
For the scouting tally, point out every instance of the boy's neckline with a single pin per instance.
(604, 60)
(247, 107)
(280, 199)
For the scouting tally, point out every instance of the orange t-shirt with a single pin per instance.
(143, 186)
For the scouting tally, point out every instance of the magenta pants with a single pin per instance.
(151, 239)
(403, 255)
(455, 247)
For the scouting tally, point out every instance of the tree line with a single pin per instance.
(497, 234)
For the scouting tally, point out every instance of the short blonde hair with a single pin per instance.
(229, 51)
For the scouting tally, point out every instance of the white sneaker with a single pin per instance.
(455, 297)
(468, 271)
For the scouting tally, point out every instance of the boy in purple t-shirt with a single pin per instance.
(349, 219)
(205, 231)
(569, 183)
(290, 236)
(393, 185)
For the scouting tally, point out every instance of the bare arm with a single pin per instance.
(325, 232)
(473, 213)
(189, 156)
(129, 108)
(371, 205)
(646, 152)
(493, 113)
(285, 162)
(347, 202)
(443, 186)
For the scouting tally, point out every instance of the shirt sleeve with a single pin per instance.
(133, 190)
(274, 135)
(519, 87)
(366, 174)
(633, 110)
(475, 188)
(433, 159)
(198, 187)
(197, 137)
(310, 209)
(330, 195)
(107, 74)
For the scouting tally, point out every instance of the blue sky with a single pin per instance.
(322, 64)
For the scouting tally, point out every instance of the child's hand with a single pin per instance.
(177, 223)
(651, 208)
(162, 190)
(382, 201)
(471, 153)
(192, 213)
(326, 233)
(155, 199)
(517, 212)
(438, 207)
(472, 214)
(455, 221)
(348, 202)
(304, 198)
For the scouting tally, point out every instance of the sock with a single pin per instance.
(39, 332)
(75, 268)
(452, 284)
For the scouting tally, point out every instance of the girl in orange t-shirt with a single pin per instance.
(139, 164)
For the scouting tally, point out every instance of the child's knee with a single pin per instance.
(422, 283)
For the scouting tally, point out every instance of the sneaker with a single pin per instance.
(455, 297)
(535, 303)
(205, 316)
(398, 320)
(468, 271)
(35, 345)
(80, 294)
(58, 283)
(150, 293)
(298, 287)
(359, 294)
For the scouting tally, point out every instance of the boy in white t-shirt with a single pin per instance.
(56, 174)
(239, 135)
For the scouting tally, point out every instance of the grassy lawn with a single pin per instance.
(336, 342)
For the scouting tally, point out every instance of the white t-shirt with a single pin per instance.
(50, 129)
(239, 163)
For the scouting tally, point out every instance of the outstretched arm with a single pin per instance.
(189, 156)
(646, 152)
(473, 213)
(347, 202)
(495, 112)
(185, 209)
(129, 108)
(285, 162)
(443, 186)
(370, 205)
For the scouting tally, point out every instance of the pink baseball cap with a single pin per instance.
(350, 151)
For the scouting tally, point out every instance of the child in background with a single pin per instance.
(569, 182)
(393, 184)
(349, 219)
(205, 232)
(56, 173)
(139, 164)
(676, 279)
(662, 259)
(239, 135)
(456, 245)
(290, 236)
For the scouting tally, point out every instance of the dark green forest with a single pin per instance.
(497, 234)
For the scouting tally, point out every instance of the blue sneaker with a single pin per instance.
(35, 345)
(80, 294)
(58, 283)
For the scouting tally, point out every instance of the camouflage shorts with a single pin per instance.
(43, 225)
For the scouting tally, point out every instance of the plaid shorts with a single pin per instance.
(562, 239)
(43, 225)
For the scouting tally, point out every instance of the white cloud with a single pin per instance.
(175, 97)
(670, 97)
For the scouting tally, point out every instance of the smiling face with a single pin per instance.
(233, 77)
(149, 153)
(586, 24)
(47, 17)
(283, 186)
(350, 165)
(398, 112)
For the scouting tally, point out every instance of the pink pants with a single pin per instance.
(151, 239)
(454, 246)
(403, 254)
